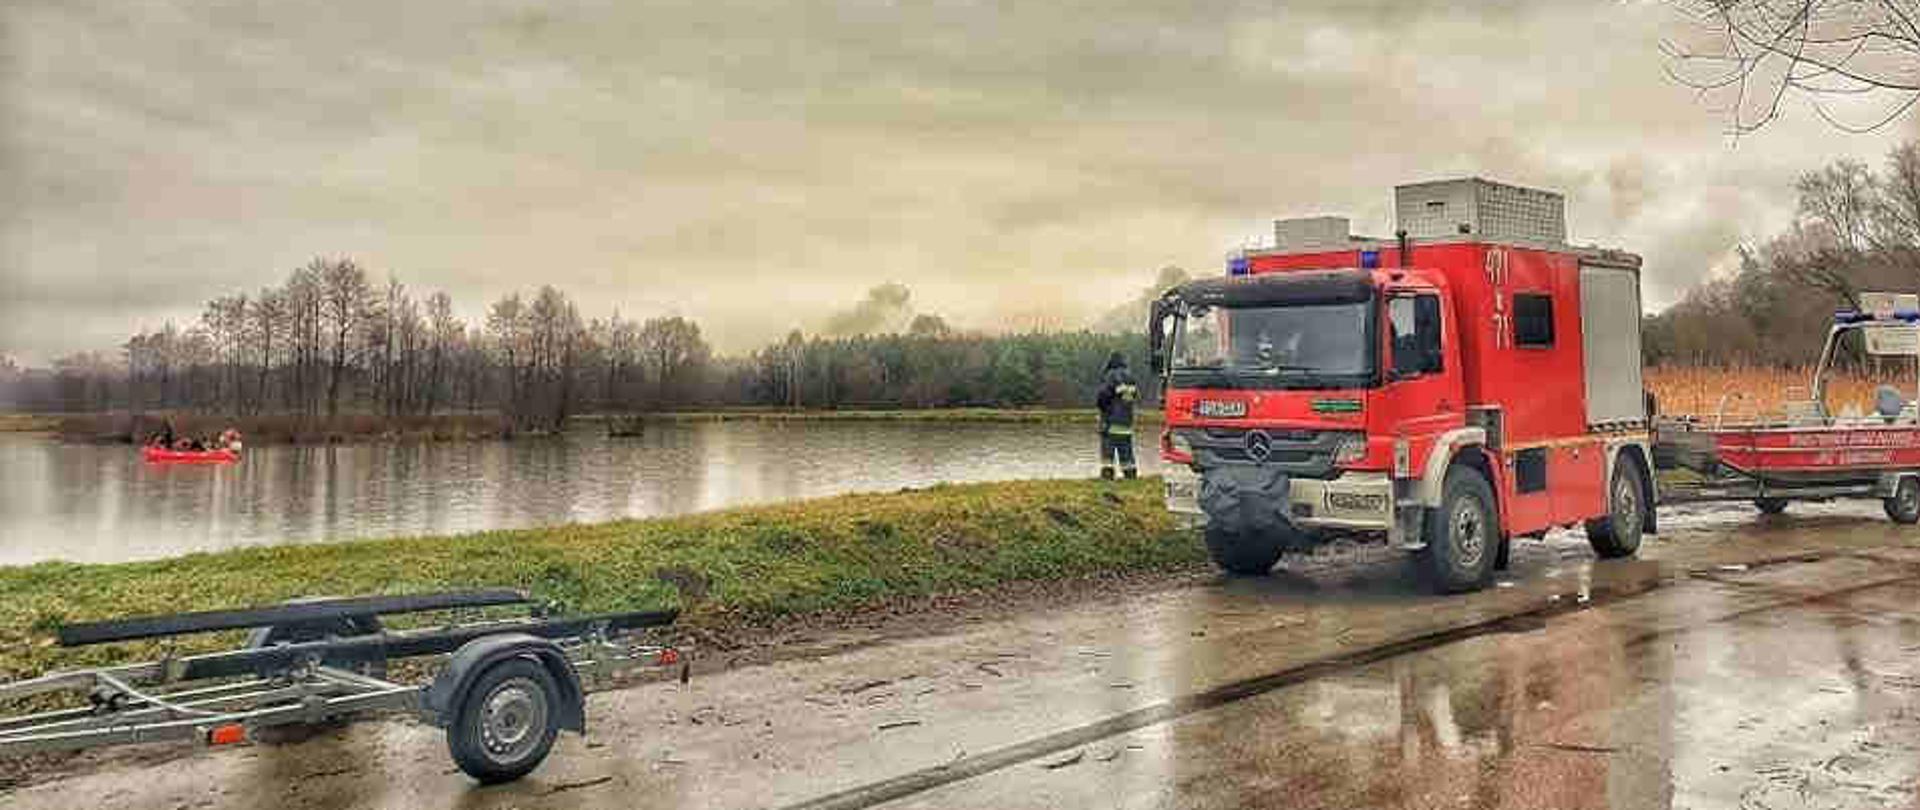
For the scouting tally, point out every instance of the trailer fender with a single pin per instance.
(443, 698)
(1890, 482)
(1426, 488)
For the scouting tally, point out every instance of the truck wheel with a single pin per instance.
(1770, 506)
(1618, 534)
(1463, 535)
(1250, 554)
(506, 722)
(1904, 506)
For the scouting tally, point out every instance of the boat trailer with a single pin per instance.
(507, 688)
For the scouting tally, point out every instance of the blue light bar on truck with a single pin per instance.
(1847, 316)
(1238, 265)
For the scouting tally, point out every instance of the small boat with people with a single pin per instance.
(167, 455)
(166, 448)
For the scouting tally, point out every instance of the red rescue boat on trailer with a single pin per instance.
(1808, 452)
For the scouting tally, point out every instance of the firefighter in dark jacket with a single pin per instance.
(1118, 393)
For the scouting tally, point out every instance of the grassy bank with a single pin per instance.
(1000, 415)
(751, 564)
(121, 427)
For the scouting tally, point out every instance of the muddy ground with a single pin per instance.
(1740, 662)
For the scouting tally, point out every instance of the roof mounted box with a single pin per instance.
(1473, 207)
(1311, 233)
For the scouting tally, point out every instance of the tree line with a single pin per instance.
(330, 340)
(1858, 230)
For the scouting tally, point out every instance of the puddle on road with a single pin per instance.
(1809, 704)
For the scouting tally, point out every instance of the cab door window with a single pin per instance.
(1414, 321)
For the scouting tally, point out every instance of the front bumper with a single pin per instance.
(1352, 501)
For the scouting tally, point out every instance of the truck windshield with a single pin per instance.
(1291, 346)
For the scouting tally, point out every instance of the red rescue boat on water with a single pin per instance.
(162, 455)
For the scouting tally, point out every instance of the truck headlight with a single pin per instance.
(1351, 449)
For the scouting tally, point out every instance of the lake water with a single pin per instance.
(89, 503)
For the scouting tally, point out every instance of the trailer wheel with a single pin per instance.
(1250, 554)
(1618, 534)
(1904, 506)
(1463, 535)
(507, 721)
(1770, 506)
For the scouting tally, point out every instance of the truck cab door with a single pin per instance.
(1423, 396)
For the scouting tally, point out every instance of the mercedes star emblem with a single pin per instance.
(1259, 445)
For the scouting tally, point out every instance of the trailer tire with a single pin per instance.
(1243, 553)
(1618, 534)
(1904, 505)
(1463, 535)
(1770, 506)
(506, 722)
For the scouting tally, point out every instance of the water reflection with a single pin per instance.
(98, 504)
(1498, 721)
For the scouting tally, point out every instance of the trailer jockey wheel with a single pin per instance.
(1770, 506)
(506, 722)
(1904, 506)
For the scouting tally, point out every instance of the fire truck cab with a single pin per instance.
(1471, 380)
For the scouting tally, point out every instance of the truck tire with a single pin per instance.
(1618, 534)
(506, 722)
(1770, 506)
(1904, 506)
(1463, 534)
(1248, 554)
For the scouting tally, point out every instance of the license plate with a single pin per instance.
(1220, 408)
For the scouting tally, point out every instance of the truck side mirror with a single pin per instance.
(1157, 336)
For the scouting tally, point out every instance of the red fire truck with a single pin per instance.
(1470, 380)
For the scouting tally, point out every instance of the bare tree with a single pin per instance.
(268, 319)
(1844, 199)
(1841, 56)
(345, 297)
(443, 332)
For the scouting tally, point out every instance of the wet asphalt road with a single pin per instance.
(1740, 663)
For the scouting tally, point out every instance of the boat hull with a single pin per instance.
(156, 455)
(1819, 454)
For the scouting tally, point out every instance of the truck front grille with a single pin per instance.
(1300, 453)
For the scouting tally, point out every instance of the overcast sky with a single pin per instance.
(759, 165)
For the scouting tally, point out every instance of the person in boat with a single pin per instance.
(230, 440)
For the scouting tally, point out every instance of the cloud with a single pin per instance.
(1011, 163)
(886, 309)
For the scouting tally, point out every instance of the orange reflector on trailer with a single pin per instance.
(226, 735)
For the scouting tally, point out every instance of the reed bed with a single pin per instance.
(1763, 390)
